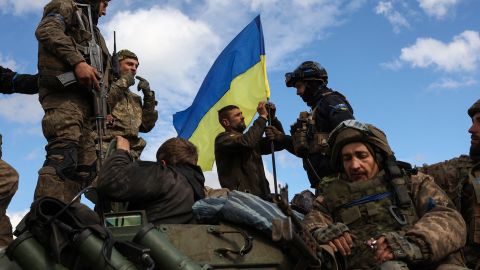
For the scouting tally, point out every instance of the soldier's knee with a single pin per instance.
(63, 160)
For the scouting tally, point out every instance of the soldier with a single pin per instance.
(458, 178)
(238, 154)
(165, 189)
(8, 187)
(64, 33)
(376, 215)
(128, 115)
(310, 133)
(12, 82)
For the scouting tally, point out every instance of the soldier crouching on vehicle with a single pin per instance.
(70, 42)
(8, 187)
(165, 189)
(378, 216)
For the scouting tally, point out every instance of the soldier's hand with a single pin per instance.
(87, 75)
(143, 85)
(271, 109)
(383, 252)
(274, 134)
(110, 120)
(342, 244)
(262, 110)
(123, 144)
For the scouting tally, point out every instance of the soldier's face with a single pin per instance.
(475, 135)
(300, 88)
(235, 121)
(358, 162)
(103, 8)
(128, 65)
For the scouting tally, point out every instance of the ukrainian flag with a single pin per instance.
(238, 77)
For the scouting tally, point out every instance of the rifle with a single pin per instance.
(115, 62)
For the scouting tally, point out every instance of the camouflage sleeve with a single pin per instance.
(58, 16)
(8, 185)
(234, 143)
(319, 216)
(440, 229)
(116, 93)
(149, 114)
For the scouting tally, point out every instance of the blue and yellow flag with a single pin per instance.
(238, 77)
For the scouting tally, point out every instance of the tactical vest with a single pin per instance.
(306, 139)
(368, 209)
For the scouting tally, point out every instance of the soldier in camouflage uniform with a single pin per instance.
(8, 187)
(376, 215)
(63, 35)
(12, 82)
(128, 115)
(459, 178)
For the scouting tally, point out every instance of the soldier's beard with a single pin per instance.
(475, 152)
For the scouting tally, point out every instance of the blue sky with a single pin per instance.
(409, 67)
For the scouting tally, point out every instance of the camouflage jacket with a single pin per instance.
(63, 44)
(239, 158)
(438, 230)
(130, 115)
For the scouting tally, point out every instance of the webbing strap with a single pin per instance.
(367, 199)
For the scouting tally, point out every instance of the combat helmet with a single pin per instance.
(307, 71)
(350, 131)
(474, 109)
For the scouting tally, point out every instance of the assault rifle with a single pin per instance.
(100, 95)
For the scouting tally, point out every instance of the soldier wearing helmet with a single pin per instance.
(376, 215)
(459, 178)
(129, 115)
(63, 35)
(328, 109)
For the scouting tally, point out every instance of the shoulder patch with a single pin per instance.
(339, 107)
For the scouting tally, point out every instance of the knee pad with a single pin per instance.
(66, 165)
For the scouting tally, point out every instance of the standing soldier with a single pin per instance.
(460, 178)
(311, 130)
(68, 42)
(8, 187)
(128, 115)
(377, 216)
(12, 82)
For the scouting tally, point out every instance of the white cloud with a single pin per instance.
(438, 8)
(8, 62)
(396, 19)
(16, 217)
(449, 83)
(461, 54)
(21, 7)
(24, 109)
(392, 65)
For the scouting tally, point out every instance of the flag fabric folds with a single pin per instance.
(238, 77)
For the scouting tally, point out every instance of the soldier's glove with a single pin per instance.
(125, 81)
(274, 134)
(271, 109)
(327, 234)
(143, 86)
(402, 248)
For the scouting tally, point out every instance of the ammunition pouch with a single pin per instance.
(66, 163)
(306, 140)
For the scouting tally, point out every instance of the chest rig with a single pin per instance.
(306, 138)
(367, 207)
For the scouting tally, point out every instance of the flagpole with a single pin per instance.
(272, 147)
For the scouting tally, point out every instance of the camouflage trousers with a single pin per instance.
(71, 159)
(8, 187)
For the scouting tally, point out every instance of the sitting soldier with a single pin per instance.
(165, 189)
(378, 216)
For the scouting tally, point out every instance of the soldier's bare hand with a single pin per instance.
(110, 120)
(262, 110)
(271, 109)
(342, 244)
(123, 144)
(383, 252)
(87, 75)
